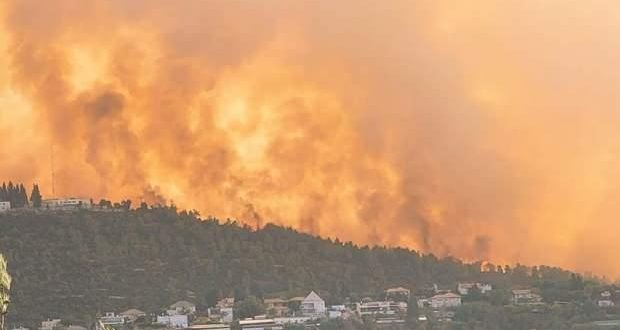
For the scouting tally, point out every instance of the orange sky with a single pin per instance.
(479, 129)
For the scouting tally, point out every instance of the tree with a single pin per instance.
(35, 196)
(5, 287)
(23, 196)
(250, 307)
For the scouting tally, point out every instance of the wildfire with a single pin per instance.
(479, 131)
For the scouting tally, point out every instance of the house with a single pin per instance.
(178, 321)
(444, 300)
(112, 319)
(381, 308)
(182, 307)
(332, 314)
(259, 323)
(226, 302)
(525, 297)
(5, 206)
(276, 307)
(605, 300)
(396, 293)
(50, 324)
(463, 288)
(336, 311)
(131, 315)
(223, 311)
(313, 306)
(66, 203)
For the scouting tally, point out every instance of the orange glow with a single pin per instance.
(485, 130)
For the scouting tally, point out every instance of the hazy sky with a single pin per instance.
(479, 129)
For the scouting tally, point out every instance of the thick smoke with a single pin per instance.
(481, 129)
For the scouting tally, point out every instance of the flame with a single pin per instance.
(479, 131)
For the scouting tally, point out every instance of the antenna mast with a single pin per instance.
(52, 170)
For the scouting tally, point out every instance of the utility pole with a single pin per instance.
(52, 171)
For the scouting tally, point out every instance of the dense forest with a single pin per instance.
(77, 265)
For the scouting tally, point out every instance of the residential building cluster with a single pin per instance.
(392, 309)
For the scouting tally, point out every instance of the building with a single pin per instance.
(463, 288)
(276, 307)
(397, 293)
(76, 327)
(50, 324)
(291, 320)
(179, 321)
(223, 311)
(5, 206)
(525, 297)
(606, 300)
(212, 326)
(66, 203)
(384, 308)
(112, 319)
(336, 311)
(313, 306)
(444, 300)
(182, 307)
(131, 315)
(259, 323)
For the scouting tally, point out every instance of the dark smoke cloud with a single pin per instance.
(478, 129)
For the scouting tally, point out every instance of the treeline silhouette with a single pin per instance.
(79, 265)
(18, 197)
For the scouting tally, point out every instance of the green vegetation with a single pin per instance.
(14, 193)
(77, 265)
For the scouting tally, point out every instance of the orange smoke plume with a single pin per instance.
(475, 130)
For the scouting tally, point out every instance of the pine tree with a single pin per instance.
(22, 196)
(35, 196)
(11, 193)
(4, 196)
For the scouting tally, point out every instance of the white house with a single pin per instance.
(182, 307)
(50, 324)
(174, 321)
(223, 311)
(605, 300)
(336, 311)
(313, 306)
(112, 319)
(381, 308)
(525, 296)
(446, 300)
(463, 288)
(66, 203)
(5, 206)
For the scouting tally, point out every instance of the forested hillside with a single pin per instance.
(75, 265)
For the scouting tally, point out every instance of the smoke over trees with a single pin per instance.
(478, 129)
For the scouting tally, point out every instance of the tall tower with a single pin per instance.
(52, 174)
